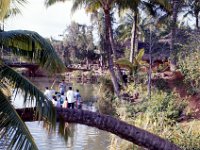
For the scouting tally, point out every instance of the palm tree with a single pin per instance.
(176, 5)
(134, 6)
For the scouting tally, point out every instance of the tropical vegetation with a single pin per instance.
(149, 44)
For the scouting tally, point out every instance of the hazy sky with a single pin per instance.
(46, 21)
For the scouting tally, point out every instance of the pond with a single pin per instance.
(81, 137)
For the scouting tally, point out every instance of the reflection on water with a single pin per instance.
(81, 137)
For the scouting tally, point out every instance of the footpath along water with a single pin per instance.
(81, 137)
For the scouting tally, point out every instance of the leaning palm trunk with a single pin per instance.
(113, 46)
(107, 123)
(133, 39)
(173, 53)
(110, 59)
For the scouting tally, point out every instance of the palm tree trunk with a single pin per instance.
(108, 47)
(173, 53)
(114, 50)
(107, 123)
(133, 38)
(197, 21)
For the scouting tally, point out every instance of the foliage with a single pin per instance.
(105, 96)
(159, 117)
(137, 62)
(32, 46)
(35, 48)
(161, 84)
(78, 39)
(189, 62)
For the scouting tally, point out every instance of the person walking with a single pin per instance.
(78, 99)
(70, 98)
(62, 87)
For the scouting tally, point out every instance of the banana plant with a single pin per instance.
(132, 67)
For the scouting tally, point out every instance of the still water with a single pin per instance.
(81, 137)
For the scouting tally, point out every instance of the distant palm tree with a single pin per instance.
(134, 6)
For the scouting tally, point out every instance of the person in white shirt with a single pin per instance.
(70, 98)
(48, 93)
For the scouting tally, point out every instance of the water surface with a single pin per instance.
(81, 137)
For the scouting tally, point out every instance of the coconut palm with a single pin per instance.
(135, 6)
(176, 6)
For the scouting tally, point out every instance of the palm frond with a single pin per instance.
(30, 44)
(44, 107)
(13, 132)
(51, 2)
(77, 4)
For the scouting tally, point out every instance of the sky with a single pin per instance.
(48, 22)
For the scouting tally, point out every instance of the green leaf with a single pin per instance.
(44, 107)
(33, 46)
(13, 130)
(122, 62)
(140, 55)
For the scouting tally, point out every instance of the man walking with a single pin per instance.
(70, 98)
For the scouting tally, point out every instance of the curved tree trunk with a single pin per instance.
(173, 53)
(108, 48)
(107, 123)
(133, 38)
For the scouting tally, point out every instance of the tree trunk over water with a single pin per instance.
(107, 123)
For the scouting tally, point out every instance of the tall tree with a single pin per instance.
(176, 5)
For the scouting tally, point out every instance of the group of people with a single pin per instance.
(64, 98)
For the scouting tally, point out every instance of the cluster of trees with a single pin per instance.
(158, 13)
(79, 45)
(33, 46)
